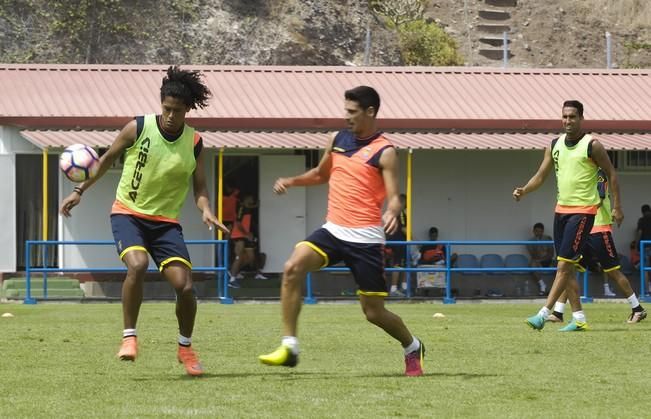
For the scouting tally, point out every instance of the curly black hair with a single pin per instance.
(185, 85)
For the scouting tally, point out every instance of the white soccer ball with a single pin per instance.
(79, 162)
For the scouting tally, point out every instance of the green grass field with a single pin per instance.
(58, 360)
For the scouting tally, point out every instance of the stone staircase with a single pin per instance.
(494, 20)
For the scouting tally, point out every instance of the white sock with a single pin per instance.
(413, 346)
(403, 286)
(542, 285)
(632, 300)
(606, 287)
(544, 312)
(291, 342)
(394, 288)
(183, 341)
(559, 307)
(128, 332)
(579, 316)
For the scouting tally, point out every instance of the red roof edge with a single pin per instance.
(317, 124)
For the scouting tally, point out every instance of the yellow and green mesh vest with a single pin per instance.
(604, 216)
(156, 174)
(576, 173)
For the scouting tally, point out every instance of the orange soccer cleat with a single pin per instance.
(189, 359)
(129, 349)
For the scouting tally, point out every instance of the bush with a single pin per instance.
(427, 44)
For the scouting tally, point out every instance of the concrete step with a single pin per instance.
(502, 3)
(493, 28)
(494, 40)
(493, 54)
(494, 14)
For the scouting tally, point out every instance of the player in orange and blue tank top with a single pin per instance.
(360, 166)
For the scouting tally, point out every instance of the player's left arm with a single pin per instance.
(201, 195)
(600, 157)
(389, 168)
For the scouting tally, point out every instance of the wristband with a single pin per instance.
(78, 190)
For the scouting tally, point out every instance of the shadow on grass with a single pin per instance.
(616, 329)
(309, 375)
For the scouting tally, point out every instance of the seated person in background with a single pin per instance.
(244, 241)
(634, 255)
(395, 255)
(542, 256)
(434, 254)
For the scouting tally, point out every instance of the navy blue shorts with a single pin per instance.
(366, 261)
(600, 249)
(162, 240)
(571, 233)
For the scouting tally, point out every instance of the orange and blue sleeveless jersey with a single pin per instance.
(357, 190)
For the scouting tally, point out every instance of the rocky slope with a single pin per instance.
(550, 33)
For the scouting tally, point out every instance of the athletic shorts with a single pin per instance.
(600, 249)
(571, 233)
(162, 240)
(365, 260)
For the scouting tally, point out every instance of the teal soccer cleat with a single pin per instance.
(575, 326)
(536, 322)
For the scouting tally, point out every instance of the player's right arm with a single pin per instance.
(125, 139)
(538, 179)
(316, 176)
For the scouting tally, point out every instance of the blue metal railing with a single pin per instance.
(220, 269)
(448, 269)
(644, 296)
(222, 266)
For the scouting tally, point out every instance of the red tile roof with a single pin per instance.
(311, 98)
(461, 141)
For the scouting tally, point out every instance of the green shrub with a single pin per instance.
(427, 44)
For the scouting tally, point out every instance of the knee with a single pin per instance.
(184, 289)
(137, 265)
(292, 271)
(372, 315)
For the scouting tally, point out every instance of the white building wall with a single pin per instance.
(10, 143)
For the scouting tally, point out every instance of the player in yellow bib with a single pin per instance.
(162, 155)
(576, 158)
(601, 251)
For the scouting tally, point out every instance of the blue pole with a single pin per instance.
(408, 273)
(219, 274)
(45, 273)
(309, 298)
(226, 299)
(28, 274)
(644, 296)
(448, 276)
